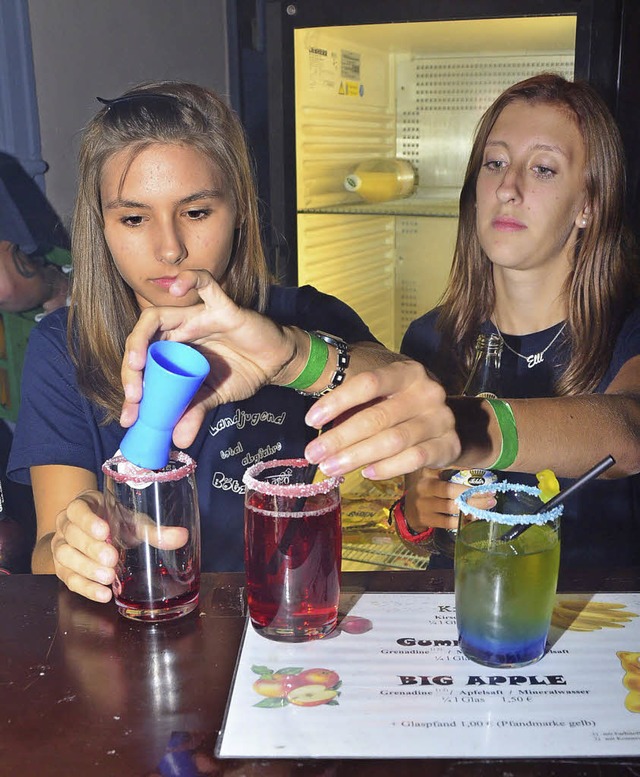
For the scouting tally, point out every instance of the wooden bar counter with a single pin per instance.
(86, 693)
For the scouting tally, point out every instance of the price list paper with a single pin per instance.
(392, 683)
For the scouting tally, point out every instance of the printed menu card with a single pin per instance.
(392, 683)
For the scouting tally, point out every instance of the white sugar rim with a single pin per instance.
(299, 489)
(127, 472)
(510, 519)
(297, 515)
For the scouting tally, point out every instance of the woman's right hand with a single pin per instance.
(83, 557)
(430, 500)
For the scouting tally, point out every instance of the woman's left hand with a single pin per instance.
(245, 350)
(392, 420)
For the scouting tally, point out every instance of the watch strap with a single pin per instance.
(343, 358)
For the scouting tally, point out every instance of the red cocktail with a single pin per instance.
(165, 587)
(293, 545)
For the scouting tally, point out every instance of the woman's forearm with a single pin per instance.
(42, 556)
(565, 434)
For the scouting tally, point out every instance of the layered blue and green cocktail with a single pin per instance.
(506, 571)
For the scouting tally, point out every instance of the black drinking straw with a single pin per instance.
(598, 469)
(290, 532)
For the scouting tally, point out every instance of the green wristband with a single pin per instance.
(313, 369)
(509, 432)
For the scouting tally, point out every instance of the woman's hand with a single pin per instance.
(430, 500)
(83, 558)
(245, 349)
(391, 420)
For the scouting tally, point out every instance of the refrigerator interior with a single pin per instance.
(409, 90)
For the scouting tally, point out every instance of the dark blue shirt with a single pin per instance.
(600, 525)
(58, 425)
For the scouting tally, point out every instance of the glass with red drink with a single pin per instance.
(155, 525)
(293, 549)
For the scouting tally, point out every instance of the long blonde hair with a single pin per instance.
(103, 307)
(602, 282)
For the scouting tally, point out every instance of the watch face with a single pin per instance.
(331, 339)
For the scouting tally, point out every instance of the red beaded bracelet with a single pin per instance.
(397, 516)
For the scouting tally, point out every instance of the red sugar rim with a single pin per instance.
(134, 474)
(296, 489)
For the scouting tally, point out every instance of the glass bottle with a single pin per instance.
(382, 179)
(483, 381)
(484, 378)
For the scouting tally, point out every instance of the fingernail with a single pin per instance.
(104, 575)
(315, 417)
(315, 452)
(331, 467)
(103, 594)
(368, 472)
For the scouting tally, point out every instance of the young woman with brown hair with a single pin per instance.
(544, 260)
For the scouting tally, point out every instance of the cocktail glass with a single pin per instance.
(293, 546)
(155, 526)
(506, 572)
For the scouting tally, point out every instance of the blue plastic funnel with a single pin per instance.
(172, 375)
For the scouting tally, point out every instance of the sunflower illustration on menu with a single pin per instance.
(631, 664)
(576, 614)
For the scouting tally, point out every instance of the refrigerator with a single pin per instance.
(359, 80)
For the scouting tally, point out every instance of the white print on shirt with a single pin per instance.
(241, 419)
(220, 480)
(232, 451)
(261, 453)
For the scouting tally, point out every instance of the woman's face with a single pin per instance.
(530, 191)
(171, 212)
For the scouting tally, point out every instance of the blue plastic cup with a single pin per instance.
(172, 375)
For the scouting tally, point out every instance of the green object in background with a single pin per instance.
(15, 329)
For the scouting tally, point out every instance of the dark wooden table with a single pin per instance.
(85, 693)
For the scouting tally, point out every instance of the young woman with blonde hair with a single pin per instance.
(166, 219)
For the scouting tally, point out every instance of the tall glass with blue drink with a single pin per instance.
(506, 572)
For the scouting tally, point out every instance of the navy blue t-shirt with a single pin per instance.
(58, 425)
(601, 523)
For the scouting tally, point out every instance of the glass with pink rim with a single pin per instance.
(154, 521)
(293, 545)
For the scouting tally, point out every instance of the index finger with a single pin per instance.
(365, 388)
(160, 323)
(163, 322)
